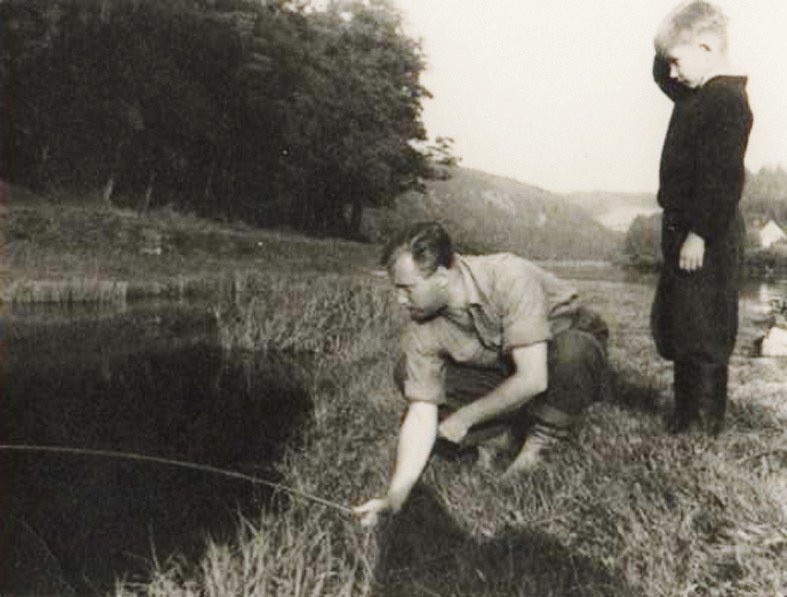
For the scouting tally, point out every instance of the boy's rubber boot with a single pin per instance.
(712, 394)
(685, 390)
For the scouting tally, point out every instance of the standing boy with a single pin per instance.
(695, 311)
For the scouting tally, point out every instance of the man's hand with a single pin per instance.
(692, 253)
(454, 428)
(369, 513)
(416, 438)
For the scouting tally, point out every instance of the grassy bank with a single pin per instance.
(64, 250)
(624, 509)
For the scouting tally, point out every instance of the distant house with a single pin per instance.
(771, 234)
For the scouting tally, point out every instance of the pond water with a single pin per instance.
(150, 381)
(755, 292)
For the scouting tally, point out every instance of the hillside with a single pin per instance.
(62, 248)
(615, 211)
(764, 198)
(485, 212)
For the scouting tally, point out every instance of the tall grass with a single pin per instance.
(293, 554)
(328, 314)
(624, 509)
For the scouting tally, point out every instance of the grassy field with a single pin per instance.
(623, 509)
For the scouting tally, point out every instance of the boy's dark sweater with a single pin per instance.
(702, 171)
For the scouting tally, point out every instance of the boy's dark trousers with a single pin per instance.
(695, 323)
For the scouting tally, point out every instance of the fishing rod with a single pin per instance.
(205, 468)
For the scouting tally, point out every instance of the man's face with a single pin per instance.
(422, 296)
(689, 63)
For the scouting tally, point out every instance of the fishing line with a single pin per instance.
(205, 468)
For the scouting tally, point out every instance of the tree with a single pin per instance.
(642, 245)
(352, 121)
(765, 195)
(275, 112)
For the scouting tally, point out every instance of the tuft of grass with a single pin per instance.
(332, 314)
(293, 555)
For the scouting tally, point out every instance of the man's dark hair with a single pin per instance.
(427, 242)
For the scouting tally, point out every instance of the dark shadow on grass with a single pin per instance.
(635, 391)
(424, 552)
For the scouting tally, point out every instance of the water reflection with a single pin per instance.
(755, 291)
(149, 382)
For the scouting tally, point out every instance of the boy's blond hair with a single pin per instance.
(687, 21)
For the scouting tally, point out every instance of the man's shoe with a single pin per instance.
(539, 441)
(493, 449)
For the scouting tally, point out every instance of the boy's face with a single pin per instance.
(689, 63)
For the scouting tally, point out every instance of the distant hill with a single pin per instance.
(485, 213)
(764, 198)
(615, 211)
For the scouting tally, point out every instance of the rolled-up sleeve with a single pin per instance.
(524, 311)
(673, 89)
(424, 369)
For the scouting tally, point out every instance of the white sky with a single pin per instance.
(558, 93)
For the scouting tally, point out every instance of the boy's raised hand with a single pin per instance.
(692, 253)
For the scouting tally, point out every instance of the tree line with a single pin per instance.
(278, 112)
(765, 196)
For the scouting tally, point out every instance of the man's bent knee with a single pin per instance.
(577, 366)
(575, 351)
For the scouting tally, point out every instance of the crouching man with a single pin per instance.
(495, 343)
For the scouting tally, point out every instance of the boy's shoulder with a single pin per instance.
(725, 94)
(724, 88)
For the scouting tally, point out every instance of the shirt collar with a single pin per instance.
(475, 296)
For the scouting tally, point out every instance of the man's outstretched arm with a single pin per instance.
(416, 439)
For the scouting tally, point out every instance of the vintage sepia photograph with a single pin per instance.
(393, 298)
